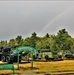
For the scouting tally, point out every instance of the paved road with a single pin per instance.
(59, 73)
(33, 74)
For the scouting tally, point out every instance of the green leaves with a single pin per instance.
(61, 41)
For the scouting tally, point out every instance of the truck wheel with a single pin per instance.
(3, 59)
(8, 59)
(47, 57)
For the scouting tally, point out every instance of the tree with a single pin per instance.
(27, 42)
(31, 41)
(62, 41)
(3, 43)
(33, 35)
(19, 40)
(47, 35)
(34, 39)
(43, 44)
(12, 42)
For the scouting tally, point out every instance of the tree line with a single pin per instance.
(61, 41)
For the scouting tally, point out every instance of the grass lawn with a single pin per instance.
(53, 66)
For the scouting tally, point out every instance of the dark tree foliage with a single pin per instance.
(47, 35)
(19, 40)
(61, 41)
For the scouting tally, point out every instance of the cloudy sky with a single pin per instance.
(25, 17)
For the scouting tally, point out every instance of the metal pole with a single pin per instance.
(13, 71)
(32, 60)
(18, 61)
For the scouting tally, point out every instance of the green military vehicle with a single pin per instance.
(68, 54)
(48, 55)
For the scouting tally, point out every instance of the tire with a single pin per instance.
(8, 60)
(46, 57)
(3, 59)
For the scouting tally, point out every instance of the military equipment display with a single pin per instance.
(10, 56)
(45, 54)
(49, 55)
(68, 54)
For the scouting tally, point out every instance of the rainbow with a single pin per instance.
(56, 18)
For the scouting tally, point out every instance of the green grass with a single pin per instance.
(53, 66)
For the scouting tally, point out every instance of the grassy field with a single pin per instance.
(53, 66)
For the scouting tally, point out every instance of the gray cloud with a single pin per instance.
(25, 17)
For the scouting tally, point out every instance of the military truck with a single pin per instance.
(68, 54)
(7, 56)
(48, 55)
